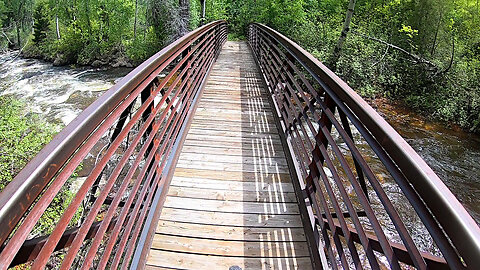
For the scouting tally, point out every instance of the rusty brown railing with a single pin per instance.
(116, 158)
(350, 201)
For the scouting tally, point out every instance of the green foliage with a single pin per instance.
(3, 10)
(141, 48)
(53, 213)
(18, 17)
(41, 23)
(195, 14)
(448, 88)
(22, 135)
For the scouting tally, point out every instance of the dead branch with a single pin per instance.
(381, 59)
(416, 58)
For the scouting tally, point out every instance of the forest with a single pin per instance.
(424, 53)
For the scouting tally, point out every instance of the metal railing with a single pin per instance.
(116, 159)
(350, 201)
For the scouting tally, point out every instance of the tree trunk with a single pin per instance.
(19, 42)
(202, 19)
(57, 26)
(184, 11)
(135, 21)
(332, 62)
(434, 45)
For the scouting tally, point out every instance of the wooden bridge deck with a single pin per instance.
(231, 201)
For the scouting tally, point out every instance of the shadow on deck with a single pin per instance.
(231, 201)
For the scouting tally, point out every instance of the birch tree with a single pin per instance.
(332, 62)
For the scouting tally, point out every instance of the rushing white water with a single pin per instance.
(58, 93)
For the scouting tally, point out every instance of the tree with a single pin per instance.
(169, 18)
(20, 13)
(332, 62)
(3, 10)
(41, 23)
(184, 14)
(163, 15)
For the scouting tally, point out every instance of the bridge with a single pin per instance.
(215, 154)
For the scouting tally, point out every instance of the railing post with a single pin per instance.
(217, 39)
(358, 168)
(257, 39)
(145, 94)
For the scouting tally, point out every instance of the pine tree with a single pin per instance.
(41, 23)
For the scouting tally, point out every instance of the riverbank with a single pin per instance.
(113, 57)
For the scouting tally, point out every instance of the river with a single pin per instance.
(58, 93)
(61, 93)
(452, 153)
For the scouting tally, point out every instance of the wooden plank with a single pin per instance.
(218, 97)
(230, 69)
(230, 232)
(232, 167)
(233, 176)
(235, 57)
(254, 117)
(244, 87)
(231, 195)
(237, 88)
(152, 267)
(232, 206)
(234, 111)
(209, 123)
(272, 147)
(267, 140)
(220, 76)
(233, 159)
(231, 219)
(235, 72)
(197, 127)
(233, 102)
(235, 134)
(227, 79)
(231, 248)
(248, 107)
(222, 97)
(219, 150)
(235, 91)
(196, 261)
(262, 184)
(258, 123)
(220, 126)
(229, 106)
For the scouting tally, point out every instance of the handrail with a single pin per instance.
(323, 122)
(131, 135)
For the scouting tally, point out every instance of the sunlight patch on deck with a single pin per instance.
(231, 201)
